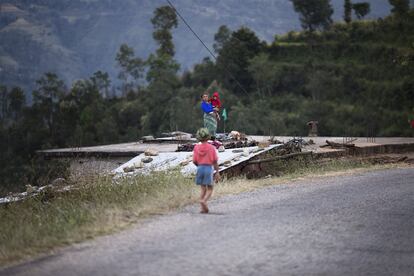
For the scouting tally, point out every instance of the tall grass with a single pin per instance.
(91, 208)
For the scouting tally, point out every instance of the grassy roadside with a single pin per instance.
(97, 206)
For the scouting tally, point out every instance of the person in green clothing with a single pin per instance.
(209, 118)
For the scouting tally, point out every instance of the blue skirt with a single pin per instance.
(204, 175)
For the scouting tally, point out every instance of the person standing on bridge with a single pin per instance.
(205, 157)
(210, 121)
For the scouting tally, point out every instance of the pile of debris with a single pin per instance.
(220, 146)
(223, 141)
(286, 150)
(240, 144)
(294, 145)
(344, 145)
(170, 137)
(186, 147)
(59, 185)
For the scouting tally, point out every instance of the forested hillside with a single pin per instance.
(355, 78)
(75, 38)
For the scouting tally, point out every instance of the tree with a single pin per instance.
(234, 59)
(90, 111)
(4, 103)
(161, 74)
(221, 37)
(85, 93)
(163, 21)
(49, 92)
(348, 11)
(202, 74)
(162, 66)
(17, 100)
(132, 67)
(400, 7)
(157, 101)
(187, 99)
(321, 85)
(102, 82)
(314, 14)
(264, 74)
(50, 89)
(361, 9)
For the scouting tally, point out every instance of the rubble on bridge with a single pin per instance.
(240, 156)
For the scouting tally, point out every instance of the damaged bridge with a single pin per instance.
(260, 160)
(127, 158)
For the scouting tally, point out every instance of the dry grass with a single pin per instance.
(98, 206)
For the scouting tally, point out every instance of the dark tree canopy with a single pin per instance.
(314, 14)
(348, 11)
(17, 100)
(163, 21)
(49, 89)
(400, 7)
(3, 101)
(221, 37)
(102, 82)
(361, 9)
(131, 66)
(235, 56)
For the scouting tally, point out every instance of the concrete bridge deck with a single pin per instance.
(135, 148)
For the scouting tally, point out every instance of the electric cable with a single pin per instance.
(205, 46)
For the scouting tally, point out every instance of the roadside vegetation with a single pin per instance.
(100, 206)
(355, 77)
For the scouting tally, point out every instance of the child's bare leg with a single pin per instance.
(208, 194)
(202, 192)
(203, 205)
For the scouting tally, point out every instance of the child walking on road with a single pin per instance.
(206, 159)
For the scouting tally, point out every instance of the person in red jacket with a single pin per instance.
(216, 103)
(205, 157)
(215, 100)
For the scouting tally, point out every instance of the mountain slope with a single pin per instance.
(75, 38)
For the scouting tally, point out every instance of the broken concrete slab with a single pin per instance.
(183, 160)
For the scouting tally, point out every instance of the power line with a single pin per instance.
(191, 29)
(205, 46)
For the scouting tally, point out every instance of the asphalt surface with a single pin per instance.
(349, 225)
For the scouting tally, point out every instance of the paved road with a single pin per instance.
(349, 225)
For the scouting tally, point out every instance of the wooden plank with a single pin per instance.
(286, 156)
